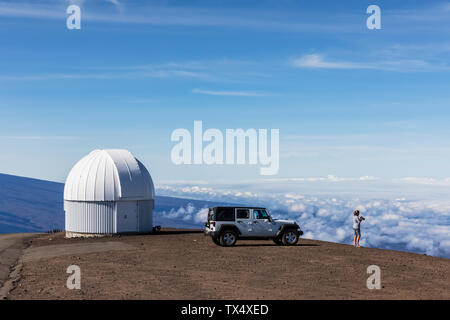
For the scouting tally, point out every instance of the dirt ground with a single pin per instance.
(187, 265)
(11, 248)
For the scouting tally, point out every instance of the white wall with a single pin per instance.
(107, 217)
(90, 217)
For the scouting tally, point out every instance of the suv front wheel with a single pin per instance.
(277, 241)
(228, 238)
(290, 237)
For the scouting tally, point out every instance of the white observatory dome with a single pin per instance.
(109, 175)
(108, 191)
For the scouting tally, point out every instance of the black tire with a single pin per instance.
(216, 241)
(277, 241)
(228, 238)
(290, 237)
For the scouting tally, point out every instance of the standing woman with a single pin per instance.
(356, 226)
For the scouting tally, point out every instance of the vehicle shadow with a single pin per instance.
(274, 245)
(169, 232)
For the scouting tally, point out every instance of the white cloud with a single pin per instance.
(318, 61)
(149, 72)
(175, 16)
(76, 2)
(294, 196)
(114, 2)
(424, 181)
(421, 226)
(390, 217)
(435, 18)
(229, 93)
(368, 178)
(224, 70)
(297, 207)
(119, 6)
(341, 234)
(329, 178)
(39, 137)
(189, 213)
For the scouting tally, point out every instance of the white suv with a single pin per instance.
(226, 225)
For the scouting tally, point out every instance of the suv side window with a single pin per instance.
(242, 214)
(260, 214)
(224, 214)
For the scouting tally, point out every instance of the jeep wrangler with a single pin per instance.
(226, 225)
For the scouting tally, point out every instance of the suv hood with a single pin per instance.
(284, 221)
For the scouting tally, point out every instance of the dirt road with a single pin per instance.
(186, 265)
(11, 248)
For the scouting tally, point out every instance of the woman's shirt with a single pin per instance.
(356, 222)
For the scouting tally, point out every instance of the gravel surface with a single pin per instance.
(187, 265)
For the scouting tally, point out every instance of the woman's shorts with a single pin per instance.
(357, 232)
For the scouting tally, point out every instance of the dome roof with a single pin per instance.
(109, 175)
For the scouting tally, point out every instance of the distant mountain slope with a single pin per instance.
(32, 205)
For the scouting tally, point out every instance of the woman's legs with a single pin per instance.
(357, 237)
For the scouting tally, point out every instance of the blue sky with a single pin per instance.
(349, 102)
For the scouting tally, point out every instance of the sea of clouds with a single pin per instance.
(399, 215)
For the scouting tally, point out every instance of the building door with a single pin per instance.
(127, 216)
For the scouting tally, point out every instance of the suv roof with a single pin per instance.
(238, 207)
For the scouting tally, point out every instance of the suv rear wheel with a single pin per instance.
(290, 237)
(216, 241)
(228, 238)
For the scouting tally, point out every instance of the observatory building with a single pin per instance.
(107, 192)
